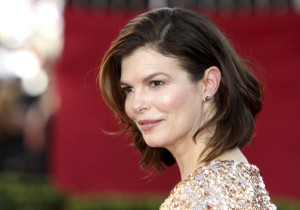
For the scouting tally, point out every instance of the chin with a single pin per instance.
(153, 143)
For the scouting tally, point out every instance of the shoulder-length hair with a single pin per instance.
(198, 44)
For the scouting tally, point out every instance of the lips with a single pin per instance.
(148, 125)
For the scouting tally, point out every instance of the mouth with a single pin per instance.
(148, 125)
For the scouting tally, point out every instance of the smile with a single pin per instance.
(148, 125)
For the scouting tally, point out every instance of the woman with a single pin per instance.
(174, 81)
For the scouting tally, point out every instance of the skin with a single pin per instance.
(168, 108)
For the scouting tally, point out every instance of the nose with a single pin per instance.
(140, 104)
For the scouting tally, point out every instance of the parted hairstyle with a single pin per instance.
(197, 44)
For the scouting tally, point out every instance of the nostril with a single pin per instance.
(139, 104)
(141, 109)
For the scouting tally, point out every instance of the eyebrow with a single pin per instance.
(149, 77)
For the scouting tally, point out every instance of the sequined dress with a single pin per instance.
(221, 185)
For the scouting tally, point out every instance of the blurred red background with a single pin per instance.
(85, 160)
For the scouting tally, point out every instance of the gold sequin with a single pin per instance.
(221, 184)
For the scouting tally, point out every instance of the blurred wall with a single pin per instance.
(86, 160)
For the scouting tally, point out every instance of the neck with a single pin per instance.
(187, 157)
(188, 160)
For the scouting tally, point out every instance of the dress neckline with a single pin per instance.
(213, 163)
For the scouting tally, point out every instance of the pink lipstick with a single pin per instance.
(148, 125)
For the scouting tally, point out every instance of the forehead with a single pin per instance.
(145, 61)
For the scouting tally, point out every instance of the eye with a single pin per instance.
(127, 90)
(156, 83)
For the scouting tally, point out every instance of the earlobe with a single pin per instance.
(211, 81)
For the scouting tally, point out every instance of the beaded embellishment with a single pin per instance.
(221, 184)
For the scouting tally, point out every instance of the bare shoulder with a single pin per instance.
(235, 155)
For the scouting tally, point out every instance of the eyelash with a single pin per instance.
(154, 83)
(126, 90)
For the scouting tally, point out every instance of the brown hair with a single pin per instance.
(198, 44)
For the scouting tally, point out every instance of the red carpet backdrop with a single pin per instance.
(85, 160)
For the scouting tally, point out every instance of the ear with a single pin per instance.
(211, 81)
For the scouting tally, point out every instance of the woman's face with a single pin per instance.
(160, 98)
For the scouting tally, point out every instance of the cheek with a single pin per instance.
(172, 100)
(128, 110)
